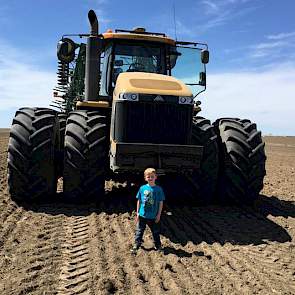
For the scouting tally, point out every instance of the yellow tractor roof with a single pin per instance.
(139, 36)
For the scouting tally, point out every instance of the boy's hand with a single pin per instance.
(136, 218)
(157, 218)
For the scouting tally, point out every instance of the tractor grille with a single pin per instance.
(153, 122)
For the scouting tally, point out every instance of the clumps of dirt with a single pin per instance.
(68, 249)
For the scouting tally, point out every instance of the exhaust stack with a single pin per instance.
(92, 64)
(93, 22)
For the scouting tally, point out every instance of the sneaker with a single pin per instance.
(134, 249)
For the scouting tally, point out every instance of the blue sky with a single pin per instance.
(251, 73)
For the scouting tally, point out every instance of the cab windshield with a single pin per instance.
(138, 58)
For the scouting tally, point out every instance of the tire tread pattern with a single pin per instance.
(31, 152)
(242, 160)
(205, 178)
(85, 155)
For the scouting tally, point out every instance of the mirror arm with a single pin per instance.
(204, 86)
(200, 92)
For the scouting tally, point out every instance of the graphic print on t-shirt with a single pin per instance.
(148, 199)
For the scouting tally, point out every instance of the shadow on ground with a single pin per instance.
(183, 223)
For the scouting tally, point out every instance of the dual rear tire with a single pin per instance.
(233, 163)
(33, 141)
(242, 161)
(85, 156)
(36, 157)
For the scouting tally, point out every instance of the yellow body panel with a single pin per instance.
(93, 104)
(145, 37)
(148, 83)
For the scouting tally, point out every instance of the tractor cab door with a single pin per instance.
(188, 64)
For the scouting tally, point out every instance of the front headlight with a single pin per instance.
(186, 100)
(129, 96)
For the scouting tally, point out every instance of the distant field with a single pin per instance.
(268, 139)
(280, 140)
(4, 131)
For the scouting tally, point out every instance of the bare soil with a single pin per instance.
(58, 248)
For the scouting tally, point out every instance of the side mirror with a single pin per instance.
(205, 56)
(202, 79)
(66, 50)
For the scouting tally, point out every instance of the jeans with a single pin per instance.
(140, 228)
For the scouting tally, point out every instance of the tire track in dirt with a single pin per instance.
(241, 263)
(159, 269)
(102, 256)
(147, 266)
(7, 209)
(269, 265)
(187, 278)
(126, 273)
(272, 257)
(242, 277)
(155, 271)
(43, 259)
(117, 258)
(76, 275)
(35, 249)
(279, 264)
(227, 265)
(225, 273)
(10, 222)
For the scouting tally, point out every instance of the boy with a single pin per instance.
(150, 199)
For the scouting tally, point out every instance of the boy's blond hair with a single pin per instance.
(150, 171)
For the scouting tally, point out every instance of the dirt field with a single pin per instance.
(57, 248)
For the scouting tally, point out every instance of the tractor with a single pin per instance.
(126, 100)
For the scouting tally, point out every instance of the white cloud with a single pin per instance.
(221, 12)
(270, 45)
(281, 36)
(272, 49)
(211, 7)
(101, 16)
(266, 98)
(22, 83)
(183, 30)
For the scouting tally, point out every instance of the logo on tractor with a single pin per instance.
(159, 98)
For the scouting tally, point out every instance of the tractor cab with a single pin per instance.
(140, 51)
(110, 54)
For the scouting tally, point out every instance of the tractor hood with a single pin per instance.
(148, 83)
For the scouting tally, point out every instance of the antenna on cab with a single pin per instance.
(174, 20)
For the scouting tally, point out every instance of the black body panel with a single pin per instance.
(167, 157)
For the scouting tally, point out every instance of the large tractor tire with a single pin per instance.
(85, 156)
(31, 151)
(205, 179)
(62, 118)
(242, 161)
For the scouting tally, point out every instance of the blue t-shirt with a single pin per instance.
(149, 199)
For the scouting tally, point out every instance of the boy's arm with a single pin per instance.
(137, 210)
(159, 212)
